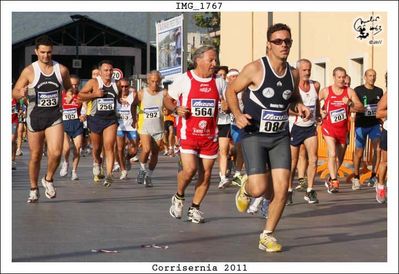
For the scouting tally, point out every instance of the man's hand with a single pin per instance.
(242, 120)
(304, 112)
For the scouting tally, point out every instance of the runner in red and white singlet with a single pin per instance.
(335, 103)
(197, 94)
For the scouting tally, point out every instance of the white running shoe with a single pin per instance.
(74, 176)
(64, 169)
(49, 188)
(224, 182)
(176, 208)
(33, 196)
(19, 152)
(355, 184)
(134, 159)
(195, 215)
(116, 167)
(96, 169)
(123, 175)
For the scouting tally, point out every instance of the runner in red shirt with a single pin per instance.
(337, 101)
(197, 92)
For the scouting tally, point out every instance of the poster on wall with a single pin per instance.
(170, 46)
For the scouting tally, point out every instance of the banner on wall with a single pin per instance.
(170, 46)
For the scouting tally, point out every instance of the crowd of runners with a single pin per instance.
(261, 123)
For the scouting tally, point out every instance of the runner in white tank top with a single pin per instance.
(150, 125)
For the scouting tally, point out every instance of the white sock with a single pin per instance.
(290, 190)
(267, 232)
(309, 189)
(142, 166)
(237, 174)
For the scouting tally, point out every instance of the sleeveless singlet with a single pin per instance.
(150, 112)
(309, 99)
(105, 107)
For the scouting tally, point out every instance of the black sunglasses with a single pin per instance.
(279, 42)
(124, 86)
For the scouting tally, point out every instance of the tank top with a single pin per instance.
(337, 111)
(105, 107)
(268, 104)
(125, 118)
(70, 111)
(44, 93)
(309, 99)
(202, 101)
(150, 112)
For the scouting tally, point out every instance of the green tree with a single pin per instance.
(210, 21)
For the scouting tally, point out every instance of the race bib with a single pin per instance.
(370, 110)
(151, 113)
(105, 104)
(70, 114)
(203, 107)
(47, 99)
(273, 121)
(124, 114)
(338, 115)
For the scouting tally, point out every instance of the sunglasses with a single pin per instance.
(124, 86)
(279, 42)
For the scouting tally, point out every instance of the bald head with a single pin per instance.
(370, 76)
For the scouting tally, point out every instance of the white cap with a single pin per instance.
(232, 72)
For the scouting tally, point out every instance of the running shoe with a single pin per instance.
(253, 208)
(165, 153)
(116, 167)
(64, 169)
(380, 195)
(372, 182)
(96, 169)
(289, 198)
(19, 152)
(242, 200)
(195, 215)
(134, 159)
(311, 197)
(332, 186)
(302, 184)
(34, 196)
(335, 185)
(13, 165)
(224, 182)
(108, 181)
(355, 184)
(236, 181)
(49, 189)
(74, 175)
(123, 175)
(141, 176)
(148, 181)
(269, 243)
(176, 209)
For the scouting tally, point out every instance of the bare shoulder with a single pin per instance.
(316, 85)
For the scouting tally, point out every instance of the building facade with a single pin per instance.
(355, 41)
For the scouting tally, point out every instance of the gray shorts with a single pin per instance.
(155, 135)
(263, 153)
